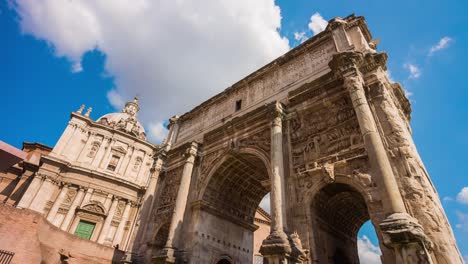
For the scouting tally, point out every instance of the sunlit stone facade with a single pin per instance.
(322, 129)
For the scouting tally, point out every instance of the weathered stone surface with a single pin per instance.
(322, 129)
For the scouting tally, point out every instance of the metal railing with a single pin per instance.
(6, 256)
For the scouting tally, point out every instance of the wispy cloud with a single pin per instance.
(317, 23)
(300, 36)
(462, 196)
(447, 199)
(462, 221)
(443, 43)
(157, 132)
(368, 252)
(115, 99)
(414, 71)
(76, 67)
(265, 203)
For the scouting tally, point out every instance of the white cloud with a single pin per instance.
(317, 23)
(447, 199)
(462, 221)
(77, 67)
(300, 36)
(265, 203)
(174, 54)
(414, 70)
(368, 252)
(115, 99)
(462, 196)
(443, 43)
(157, 132)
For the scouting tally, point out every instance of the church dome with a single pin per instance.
(126, 120)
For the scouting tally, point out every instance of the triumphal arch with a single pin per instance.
(326, 133)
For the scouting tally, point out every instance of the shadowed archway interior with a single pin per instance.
(237, 187)
(338, 212)
(160, 239)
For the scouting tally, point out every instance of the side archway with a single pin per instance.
(337, 212)
(223, 216)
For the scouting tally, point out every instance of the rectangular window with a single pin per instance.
(113, 163)
(85, 229)
(238, 105)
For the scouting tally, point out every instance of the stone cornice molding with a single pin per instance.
(356, 63)
(94, 125)
(68, 167)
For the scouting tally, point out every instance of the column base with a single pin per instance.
(129, 258)
(165, 256)
(279, 248)
(406, 236)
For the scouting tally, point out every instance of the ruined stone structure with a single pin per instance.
(325, 131)
(322, 129)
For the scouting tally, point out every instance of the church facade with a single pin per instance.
(322, 129)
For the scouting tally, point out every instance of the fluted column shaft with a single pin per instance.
(71, 212)
(181, 200)
(277, 172)
(392, 201)
(53, 211)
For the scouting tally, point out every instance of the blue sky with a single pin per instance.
(57, 57)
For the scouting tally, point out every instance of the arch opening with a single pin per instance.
(338, 212)
(229, 215)
(160, 238)
(236, 188)
(368, 244)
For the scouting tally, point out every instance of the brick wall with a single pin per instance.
(34, 240)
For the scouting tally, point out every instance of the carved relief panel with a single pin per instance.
(169, 190)
(322, 132)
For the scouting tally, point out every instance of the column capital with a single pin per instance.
(277, 113)
(191, 152)
(353, 83)
(172, 121)
(355, 62)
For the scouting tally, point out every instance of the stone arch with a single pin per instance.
(224, 214)
(225, 182)
(254, 151)
(160, 237)
(224, 260)
(338, 210)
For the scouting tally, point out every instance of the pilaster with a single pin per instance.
(170, 251)
(71, 211)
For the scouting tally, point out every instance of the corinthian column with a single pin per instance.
(147, 203)
(276, 247)
(172, 243)
(120, 229)
(277, 172)
(399, 230)
(28, 196)
(57, 203)
(391, 200)
(71, 211)
(108, 221)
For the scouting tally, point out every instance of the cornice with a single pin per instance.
(111, 130)
(66, 166)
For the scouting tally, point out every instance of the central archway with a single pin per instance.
(338, 212)
(224, 219)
